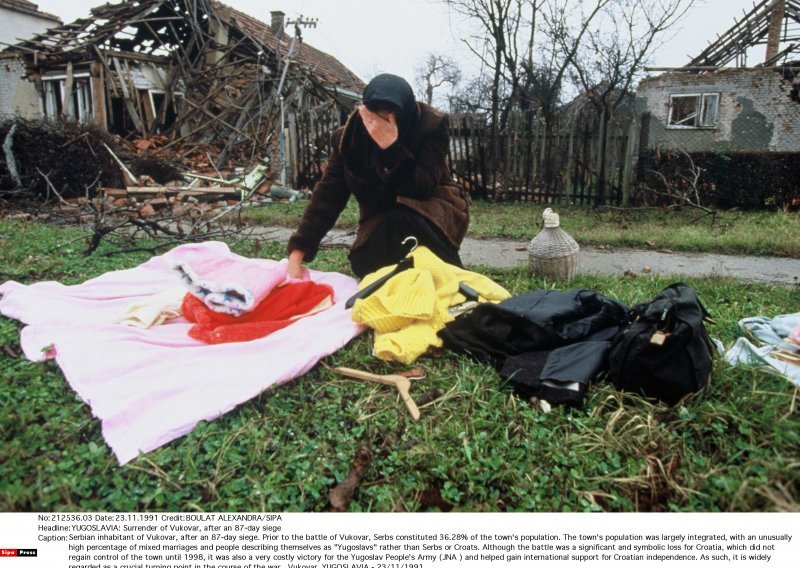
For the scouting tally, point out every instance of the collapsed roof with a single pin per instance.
(165, 27)
(214, 75)
(774, 23)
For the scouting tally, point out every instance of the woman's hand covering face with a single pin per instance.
(381, 126)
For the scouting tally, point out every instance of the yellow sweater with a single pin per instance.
(408, 310)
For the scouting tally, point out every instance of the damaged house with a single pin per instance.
(194, 78)
(718, 107)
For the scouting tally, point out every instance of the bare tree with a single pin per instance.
(612, 56)
(532, 48)
(558, 29)
(472, 96)
(436, 71)
(495, 45)
(527, 46)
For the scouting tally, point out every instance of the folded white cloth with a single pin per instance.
(154, 310)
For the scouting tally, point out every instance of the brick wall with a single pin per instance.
(756, 112)
(18, 96)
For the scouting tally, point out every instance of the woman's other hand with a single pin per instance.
(296, 270)
(381, 126)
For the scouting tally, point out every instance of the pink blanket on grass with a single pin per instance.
(150, 386)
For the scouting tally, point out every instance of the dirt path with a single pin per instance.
(501, 253)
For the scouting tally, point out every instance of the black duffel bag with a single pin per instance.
(665, 351)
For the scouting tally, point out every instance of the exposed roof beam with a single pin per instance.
(750, 30)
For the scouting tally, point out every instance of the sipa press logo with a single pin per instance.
(7, 552)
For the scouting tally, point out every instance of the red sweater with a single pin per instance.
(280, 308)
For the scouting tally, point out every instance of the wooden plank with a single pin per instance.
(478, 134)
(542, 146)
(461, 167)
(460, 163)
(516, 136)
(245, 103)
(197, 106)
(291, 147)
(129, 106)
(470, 169)
(181, 56)
(66, 103)
(534, 148)
(450, 148)
(608, 161)
(585, 172)
(97, 82)
(519, 150)
(128, 173)
(146, 190)
(113, 191)
(509, 143)
(469, 159)
(546, 164)
(530, 180)
(137, 100)
(554, 160)
(111, 87)
(599, 161)
(524, 148)
(216, 118)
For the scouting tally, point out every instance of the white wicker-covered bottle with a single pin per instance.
(553, 253)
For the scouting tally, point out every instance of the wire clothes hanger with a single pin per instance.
(409, 239)
(404, 264)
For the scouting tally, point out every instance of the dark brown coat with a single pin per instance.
(412, 172)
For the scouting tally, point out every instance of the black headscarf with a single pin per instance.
(390, 92)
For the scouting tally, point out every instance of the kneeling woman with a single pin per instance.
(392, 156)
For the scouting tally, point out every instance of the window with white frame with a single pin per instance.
(693, 111)
(156, 98)
(80, 106)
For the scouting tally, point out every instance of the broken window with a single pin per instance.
(693, 111)
(156, 99)
(79, 102)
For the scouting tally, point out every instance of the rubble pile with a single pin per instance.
(190, 82)
(80, 172)
(40, 158)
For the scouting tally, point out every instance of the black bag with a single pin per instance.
(665, 351)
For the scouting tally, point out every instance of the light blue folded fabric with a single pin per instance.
(770, 331)
(767, 335)
(746, 354)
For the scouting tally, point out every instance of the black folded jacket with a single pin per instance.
(560, 376)
(548, 343)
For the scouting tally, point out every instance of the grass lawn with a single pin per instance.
(477, 447)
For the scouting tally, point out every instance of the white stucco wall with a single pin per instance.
(15, 26)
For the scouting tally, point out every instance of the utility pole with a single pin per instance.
(282, 139)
